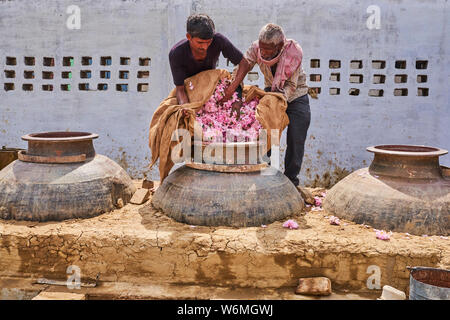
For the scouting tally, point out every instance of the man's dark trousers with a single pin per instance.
(299, 114)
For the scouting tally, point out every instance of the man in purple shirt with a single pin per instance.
(200, 52)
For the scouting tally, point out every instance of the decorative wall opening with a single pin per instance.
(122, 87)
(48, 62)
(105, 61)
(421, 78)
(11, 61)
(421, 64)
(102, 87)
(123, 74)
(83, 86)
(317, 90)
(143, 74)
(353, 92)
(422, 92)
(124, 61)
(86, 61)
(379, 78)
(66, 87)
(315, 63)
(142, 87)
(47, 75)
(356, 78)
(28, 74)
(9, 86)
(401, 78)
(335, 77)
(378, 64)
(335, 64)
(85, 74)
(68, 62)
(10, 74)
(144, 61)
(105, 74)
(400, 64)
(27, 87)
(29, 61)
(376, 92)
(356, 64)
(66, 75)
(335, 91)
(47, 87)
(401, 92)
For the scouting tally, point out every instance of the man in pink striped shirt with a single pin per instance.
(280, 61)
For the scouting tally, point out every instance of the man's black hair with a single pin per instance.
(200, 26)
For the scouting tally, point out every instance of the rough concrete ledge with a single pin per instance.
(137, 244)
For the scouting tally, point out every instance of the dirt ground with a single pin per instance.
(138, 244)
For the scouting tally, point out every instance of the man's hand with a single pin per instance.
(182, 97)
(236, 106)
(228, 94)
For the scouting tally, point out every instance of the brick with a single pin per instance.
(390, 293)
(306, 195)
(317, 286)
(148, 184)
(140, 196)
(59, 296)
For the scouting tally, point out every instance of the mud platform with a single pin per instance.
(138, 252)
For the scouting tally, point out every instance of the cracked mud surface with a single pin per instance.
(137, 244)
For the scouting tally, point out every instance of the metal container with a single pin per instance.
(238, 195)
(61, 177)
(8, 155)
(403, 190)
(429, 283)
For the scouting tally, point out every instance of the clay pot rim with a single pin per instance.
(390, 150)
(68, 136)
(11, 149)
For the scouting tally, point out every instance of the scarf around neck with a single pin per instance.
(289, 59)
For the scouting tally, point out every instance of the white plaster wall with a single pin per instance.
(342, 126)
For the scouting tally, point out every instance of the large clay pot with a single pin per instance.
(227, 195)
(61, 177)
(403, 190)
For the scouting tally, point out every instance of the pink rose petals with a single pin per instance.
(383, 235)
(191, 86)
(317, 201)
(219, 125)
(334, 221)
(291, 224)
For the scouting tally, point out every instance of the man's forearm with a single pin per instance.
(181, 95)
(244, 68)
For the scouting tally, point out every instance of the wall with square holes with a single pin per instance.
(379, 86)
